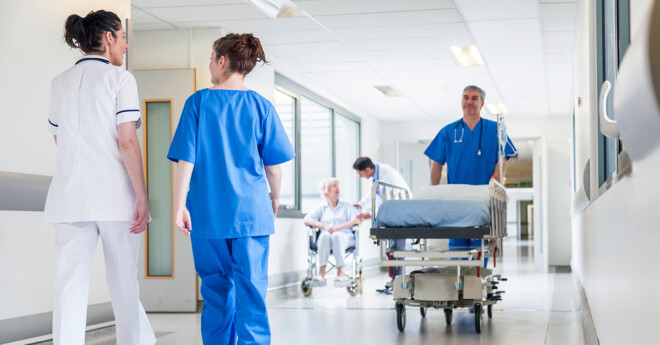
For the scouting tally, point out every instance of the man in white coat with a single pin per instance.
(382, 172)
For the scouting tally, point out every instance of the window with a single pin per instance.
(613, 27)
(326, 139)
(285, 105)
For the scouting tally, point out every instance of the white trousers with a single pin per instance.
(76, 244)
(337, 242)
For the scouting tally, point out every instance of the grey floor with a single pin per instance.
(537, 308)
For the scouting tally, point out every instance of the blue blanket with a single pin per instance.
(433, 213)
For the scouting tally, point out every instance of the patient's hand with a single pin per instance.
(357, 206)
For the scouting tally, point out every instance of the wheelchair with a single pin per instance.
(354, 274)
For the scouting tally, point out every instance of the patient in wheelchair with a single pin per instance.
(335, 218)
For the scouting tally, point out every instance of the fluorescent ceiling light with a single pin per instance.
(388, 91)
(497, 109)
(467, 56)
(276, 8)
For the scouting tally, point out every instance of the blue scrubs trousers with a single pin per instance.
(465, 244)
(234, 275)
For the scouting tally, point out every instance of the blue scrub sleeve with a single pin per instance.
(184, 143)
(438, 148)
(275, 147)
(510, 149)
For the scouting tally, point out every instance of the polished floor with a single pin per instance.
(537, 308)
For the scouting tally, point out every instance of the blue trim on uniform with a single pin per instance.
(52, 123)
(97, 59)
(123, 111)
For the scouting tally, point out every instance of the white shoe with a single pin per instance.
(342, 281)
(318, 282)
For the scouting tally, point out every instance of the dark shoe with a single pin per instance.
(387, 290)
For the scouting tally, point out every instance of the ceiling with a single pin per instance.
(348, 46)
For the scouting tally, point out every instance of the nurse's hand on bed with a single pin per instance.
(182, 220)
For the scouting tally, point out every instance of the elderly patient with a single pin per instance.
(335, 218)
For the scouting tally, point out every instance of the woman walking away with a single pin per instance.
(229, 146)
(98, 187)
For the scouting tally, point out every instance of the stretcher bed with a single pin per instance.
(440, 278)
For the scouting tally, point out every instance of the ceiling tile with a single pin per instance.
(558, 48)
(512, 41)
(403, 31)
(475, 10)
(140, 17)
(558, 24)
(318, 52)
(335, 7)
(181, 3)
(257, 25)
(559, 37)
(154, 26)
(207, 13)
(559, 10)
(292, 37)
(387, 19)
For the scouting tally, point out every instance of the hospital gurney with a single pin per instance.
(449, 279)
(354, 286)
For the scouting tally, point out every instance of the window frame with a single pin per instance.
(617, 24)
(297, 91)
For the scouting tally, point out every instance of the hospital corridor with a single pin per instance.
(233, 172)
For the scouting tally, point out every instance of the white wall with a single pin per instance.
(615, 237)
(34, 54)
(192, 48)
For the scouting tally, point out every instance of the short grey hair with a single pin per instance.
(476, 88)
(324, 184)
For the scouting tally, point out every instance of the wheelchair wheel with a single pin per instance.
(422, 311)
(448, 314)
(354, 288)
(306, 290)
(400, 316)
(478, 309)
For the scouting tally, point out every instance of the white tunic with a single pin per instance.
(389, 175)
(87, 103)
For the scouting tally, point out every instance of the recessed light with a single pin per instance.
(388, 91)
(467, 56)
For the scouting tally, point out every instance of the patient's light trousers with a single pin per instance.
(234, 275)
(76, 245)
(338, 241)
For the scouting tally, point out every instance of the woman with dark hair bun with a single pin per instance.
(98, 187)
(229, 145)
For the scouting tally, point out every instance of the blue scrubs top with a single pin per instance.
(458, 146)
(229, 135)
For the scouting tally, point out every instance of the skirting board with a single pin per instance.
(584, 314)
(37, 325)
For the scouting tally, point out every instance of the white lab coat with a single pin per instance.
(387, 174)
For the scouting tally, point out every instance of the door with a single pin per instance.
(166, 272)
(413, 164)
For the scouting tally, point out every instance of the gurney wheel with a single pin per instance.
(448, 313)
(477, 317)
(355, 288)
(422, 311)
(490, 311)
(400, 316)
(306, 290)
